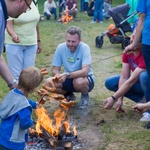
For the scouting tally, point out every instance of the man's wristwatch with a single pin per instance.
(11, 84)
(68, 74)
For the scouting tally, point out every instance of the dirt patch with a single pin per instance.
(89, 132)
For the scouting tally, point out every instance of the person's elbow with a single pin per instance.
(27, 124)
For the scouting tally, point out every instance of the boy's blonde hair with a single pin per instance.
(30, 78)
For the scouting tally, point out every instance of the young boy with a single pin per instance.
(16, 110)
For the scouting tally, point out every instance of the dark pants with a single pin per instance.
(61, 8)
(85, 6)
(53, 11)
(146, 55)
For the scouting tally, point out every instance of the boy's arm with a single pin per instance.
(25, 117)
(33, 104)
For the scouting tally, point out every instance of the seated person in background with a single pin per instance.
(75, 58)
(134, 86)
(86, 5)
(61, 5)
(16, 111)
(107, 6)
(90, 11)
(71, 7)
(50, 9)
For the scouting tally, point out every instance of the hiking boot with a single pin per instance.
(84, 102)
(146, 117)
(70, 96)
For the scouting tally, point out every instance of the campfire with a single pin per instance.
(55, 128)
(65, 18)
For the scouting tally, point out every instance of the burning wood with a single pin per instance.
(66, 18)
(55, 143)
(57, 131)
(52, 126)
(50, 138)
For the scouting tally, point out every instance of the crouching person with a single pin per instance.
(75, 58)
(16, 110)
(134, 86)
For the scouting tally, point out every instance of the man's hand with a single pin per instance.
(141, 107)
(108, 103)
(132, 48)
(129, 49)
(118, 106)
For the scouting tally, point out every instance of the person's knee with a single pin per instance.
(144, 77)
(107, 84)
(47, 16)
(80, 84)
(111, 84)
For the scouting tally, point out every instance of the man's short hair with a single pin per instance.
(74, 30)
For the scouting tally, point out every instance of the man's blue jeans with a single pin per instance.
(53, 11)
(137, 91)
(98, 7)
(146, 55)
(81, 5)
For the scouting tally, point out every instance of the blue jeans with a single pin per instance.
(146, 55)
(53, 11)
(137, 91)
(85, 6)
(98, 7)
(81, 5)
(61, 8)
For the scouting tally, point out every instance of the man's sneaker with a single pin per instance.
(70, 97)
(146, 117)
(93, 22)
(84, 102)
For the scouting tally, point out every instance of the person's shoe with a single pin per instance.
(147, 125)
(84, 102)
(101, 22)
(146, 117)
(70, 96)
(55, 18)
(93, 22)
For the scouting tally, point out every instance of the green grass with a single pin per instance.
(120, 131)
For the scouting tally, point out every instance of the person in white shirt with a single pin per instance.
(50, 9)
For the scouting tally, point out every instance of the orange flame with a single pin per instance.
(66, 18)
(51, 125)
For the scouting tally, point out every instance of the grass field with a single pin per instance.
(117, 131)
